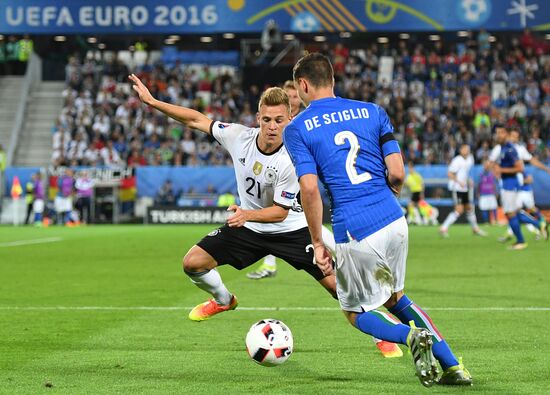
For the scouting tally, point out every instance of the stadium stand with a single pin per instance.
(438, 95)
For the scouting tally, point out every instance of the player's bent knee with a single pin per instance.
(197, 260)
(394, 298)
(351, 316)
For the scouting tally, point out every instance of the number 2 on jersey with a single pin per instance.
(340, 139)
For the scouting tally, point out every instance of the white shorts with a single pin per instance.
(38, 206)
(63, 204)
(510, 201)
(487, 202)
(527, 199)
(370, 270)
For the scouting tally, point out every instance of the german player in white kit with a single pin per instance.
(268, 267)
(462, 189)
(266, 222)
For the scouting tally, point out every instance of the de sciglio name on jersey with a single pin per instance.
(335, 117)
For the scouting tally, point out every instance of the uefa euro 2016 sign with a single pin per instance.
(220, 16)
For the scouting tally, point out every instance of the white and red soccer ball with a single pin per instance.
(269, 342)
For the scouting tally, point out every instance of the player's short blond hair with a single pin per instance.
(289, 84)
(274, 97)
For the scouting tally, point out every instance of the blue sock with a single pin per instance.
(495, 215)
(485, 215)
(525, 218)
(66, 217)
(37, 217)
(407, 311)
(379, 325)
(516, 228)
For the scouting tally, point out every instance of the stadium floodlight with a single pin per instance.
(547, 36)
(383, 40)
(345, 34)
(170, 41)
(320, 39)
(404, 36)
(1, 36)
(206, 39)
(434, 37)
(92, 40)
(492, 39)
(289, 37)
(462, 33)
(174, 37)
(228, 36)
(102, 46)
(60, 38)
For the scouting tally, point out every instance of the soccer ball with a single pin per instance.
(269, 342)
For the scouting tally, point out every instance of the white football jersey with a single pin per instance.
(262, 179)
(461, 167)
(523, 154)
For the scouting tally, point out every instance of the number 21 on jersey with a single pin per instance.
(354, 177)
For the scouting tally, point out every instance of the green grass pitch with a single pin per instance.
(60, 331)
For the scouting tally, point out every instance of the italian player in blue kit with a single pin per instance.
(509, 166)
(349, 146)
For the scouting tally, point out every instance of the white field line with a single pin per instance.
(29, 242)
(178, 308)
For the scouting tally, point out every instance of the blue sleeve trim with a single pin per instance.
(391, 147)
(305, 168)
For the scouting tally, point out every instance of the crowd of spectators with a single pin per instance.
(439, 96)
(103, 123)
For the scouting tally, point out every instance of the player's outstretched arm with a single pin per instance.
(268, 215)
(538, 164)
(187, 116)
(396, 171)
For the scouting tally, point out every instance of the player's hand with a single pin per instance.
(238, 218)
(144, 94)
(323, 258)
(496, 171)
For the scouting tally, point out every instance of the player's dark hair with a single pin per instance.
(316, 69)
(498, 125)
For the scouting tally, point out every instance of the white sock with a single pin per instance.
(270, 262)
(451, 218)
(328, 239)
(531, 228)
(471, 216)
(212, 283)
(509, 231)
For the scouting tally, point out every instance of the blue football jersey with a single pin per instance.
(344, 143)
(508, 157)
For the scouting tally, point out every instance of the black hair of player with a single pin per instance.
(316, 69)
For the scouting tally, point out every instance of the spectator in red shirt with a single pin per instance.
(136, 159)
